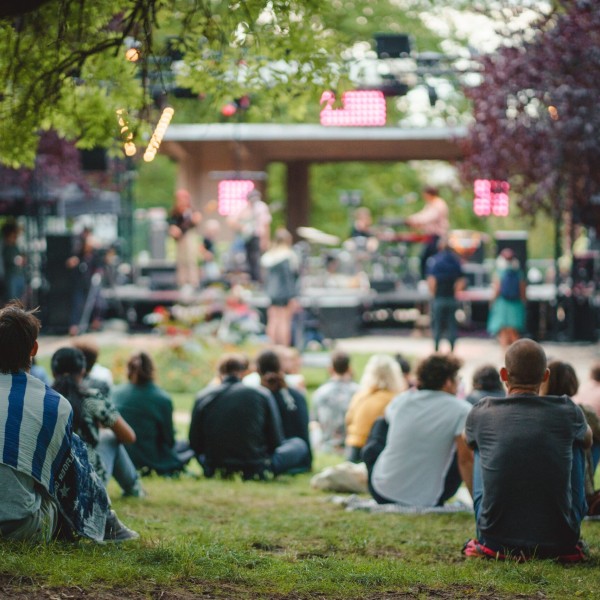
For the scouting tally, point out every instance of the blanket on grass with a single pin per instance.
(354, 502)
(36, 439)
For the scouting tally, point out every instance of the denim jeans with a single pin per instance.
(444, 320)
(292, 456)
(116, 461)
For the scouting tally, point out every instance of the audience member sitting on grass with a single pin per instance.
(96, 375)
(563, 381)
(237, 429)
(486, 382)
(291, 403)
(381, 380)
(149, 411)
(330, 403)
(47, 486)
(528, 477)
(96, 421)
(589, 391)
(425, 458)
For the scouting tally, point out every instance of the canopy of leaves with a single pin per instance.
(536, 121)
(63, 64)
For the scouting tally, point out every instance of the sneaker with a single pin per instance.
(136, 491)
(115, 531)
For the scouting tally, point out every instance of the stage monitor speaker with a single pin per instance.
(516, 241)
(392, 45)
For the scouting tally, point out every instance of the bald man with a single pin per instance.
(528, 489)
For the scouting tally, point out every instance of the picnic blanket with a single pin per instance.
(36, 439)
(354, 503)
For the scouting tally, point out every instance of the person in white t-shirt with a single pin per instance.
(425, 458)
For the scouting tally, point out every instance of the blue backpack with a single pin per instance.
(510, 285)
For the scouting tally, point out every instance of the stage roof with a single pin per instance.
(316, 143)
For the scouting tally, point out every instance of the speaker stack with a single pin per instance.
(56, 301)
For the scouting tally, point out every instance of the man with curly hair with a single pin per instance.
(425, 458)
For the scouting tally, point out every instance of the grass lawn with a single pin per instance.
(279, 539)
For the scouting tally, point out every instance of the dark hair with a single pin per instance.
(67, 364)
(435, 370)
(232, 364)
(404, 364)
(340, 362)
(268, 362)
(141, 366)
(19, 329)
(90, 351)
(595, 372)
(562, 379)
(487, 378)
(525, 362)
(67, 361)
(9, 228)
(431, 190)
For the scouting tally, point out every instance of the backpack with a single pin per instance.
(510, 285)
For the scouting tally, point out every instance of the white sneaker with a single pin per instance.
(115, 531)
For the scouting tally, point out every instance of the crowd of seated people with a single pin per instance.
(524, 450)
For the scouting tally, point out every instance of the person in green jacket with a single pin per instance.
(149, 411)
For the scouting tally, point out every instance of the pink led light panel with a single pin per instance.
(491, 198)
(361, 108)
(232, 195)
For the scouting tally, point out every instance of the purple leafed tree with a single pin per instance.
(537, 116)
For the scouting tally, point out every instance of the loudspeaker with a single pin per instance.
(93, 159)
(584, 268)
(516, 241)
(56, 300)
(392, 45)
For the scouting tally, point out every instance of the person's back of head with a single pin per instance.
(140, 369)
(434, 371)
(562, 379)
(19, 329)
(525, 362)
(90, 350)
(67, 361)
(340, 363)
(282, 237)
(487, 379)
(382, 372)
(233, 365)
(269, 367)
(595, 372)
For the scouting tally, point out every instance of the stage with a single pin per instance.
(345, 313)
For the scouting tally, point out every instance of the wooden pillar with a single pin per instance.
(298, 201)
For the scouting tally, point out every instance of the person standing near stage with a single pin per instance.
(183, 221)
(253, 222)
(86, 266)
(431, 220)
(13, 261)
(281, 286)
(507, 317)
(445, 278)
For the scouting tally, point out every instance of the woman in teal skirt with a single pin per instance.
(507, 313)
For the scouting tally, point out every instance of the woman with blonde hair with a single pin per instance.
(281, 286)
(382, 380)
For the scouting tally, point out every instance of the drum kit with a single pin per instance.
(387, 256)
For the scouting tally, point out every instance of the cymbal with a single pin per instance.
(316, 236)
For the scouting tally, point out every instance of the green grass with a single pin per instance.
(283, 539)
(279, 539)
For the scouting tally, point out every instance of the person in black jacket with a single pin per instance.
(291, 404)
(237, 429)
